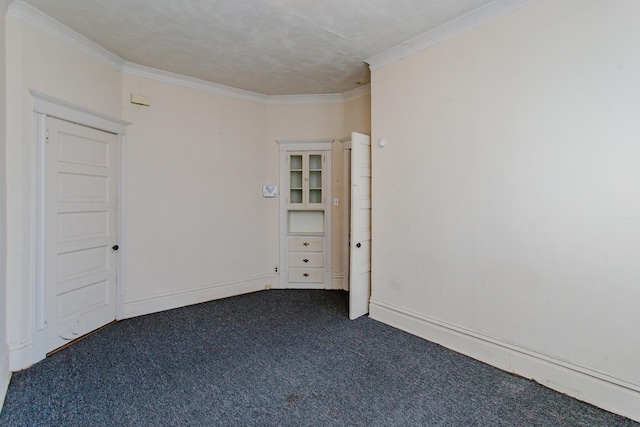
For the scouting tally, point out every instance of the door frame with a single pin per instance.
(346, 210)
(45, 106)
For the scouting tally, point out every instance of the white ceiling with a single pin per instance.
(273, 47)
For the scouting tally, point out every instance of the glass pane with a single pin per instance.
(315, 196)
(315, 179)
(296, 196)
(296, 162)
(296, 179)
(315, 162)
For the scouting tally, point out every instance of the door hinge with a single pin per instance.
(46, 139)
(46, 319)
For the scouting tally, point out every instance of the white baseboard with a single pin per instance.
(275, 282)
(317, 286)
(21, 355)
(5, 375)
(337, 282)
(599, 389)
(170, 300)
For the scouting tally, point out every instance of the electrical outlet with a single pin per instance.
(275, 269)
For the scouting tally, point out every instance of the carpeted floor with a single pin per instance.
(277, 358)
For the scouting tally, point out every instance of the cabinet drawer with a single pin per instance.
(306, 275)
(306, 244)
(313, 259)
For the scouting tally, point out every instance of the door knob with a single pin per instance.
(358, 244)
(115, 247)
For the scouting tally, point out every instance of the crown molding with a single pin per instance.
(192, 83)
(352, 94)
(21, 10)
(446, 31)
(305, 145)
(327, 98)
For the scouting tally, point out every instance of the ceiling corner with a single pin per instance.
(445, 31)
(357, 92)
(21, 10)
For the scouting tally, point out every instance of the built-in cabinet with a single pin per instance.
(306, 178)
(305, 255)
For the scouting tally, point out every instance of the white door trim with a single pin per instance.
(43, 107)
(122, 231)
(346, 211)
(53, 107)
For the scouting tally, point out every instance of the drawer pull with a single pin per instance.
(305, 260)
(305, 244)
(306, 274)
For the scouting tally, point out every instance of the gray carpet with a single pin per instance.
(277, 358)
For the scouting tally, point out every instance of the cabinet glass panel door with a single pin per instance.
(315, 179)
(295, 179)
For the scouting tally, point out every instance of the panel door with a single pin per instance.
(360, 250)
(80, 230)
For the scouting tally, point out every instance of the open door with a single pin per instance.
(81, 230)
(360, 250)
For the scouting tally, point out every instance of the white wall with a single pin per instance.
(40, 62)
(197, 224)
(357, 115)
(506, 204)
(4, 346)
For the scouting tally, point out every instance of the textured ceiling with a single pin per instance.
(273, 47)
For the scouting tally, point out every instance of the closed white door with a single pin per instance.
(360, 251)
(81, 228)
